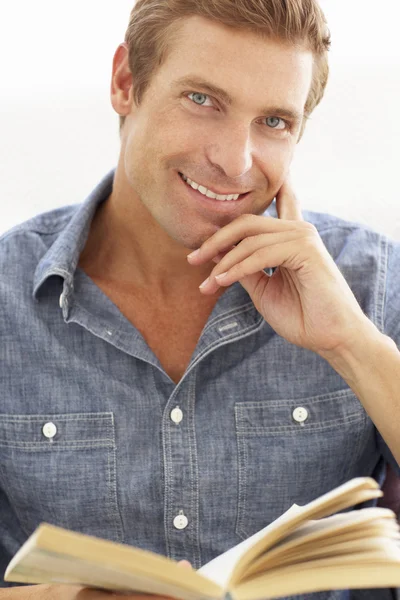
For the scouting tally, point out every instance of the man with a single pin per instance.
(143, 409)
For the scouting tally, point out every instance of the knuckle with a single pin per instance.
(246, 243)
(309, 227)
(260, 254)
(312, 241)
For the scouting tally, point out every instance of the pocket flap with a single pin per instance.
(79, 429)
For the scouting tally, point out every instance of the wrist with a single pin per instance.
(359, 353)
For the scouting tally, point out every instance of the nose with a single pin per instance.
(231, 150)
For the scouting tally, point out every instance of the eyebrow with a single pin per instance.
(214, 90)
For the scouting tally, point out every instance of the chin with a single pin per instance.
(193, 240)
(192, 243)
(189, 233)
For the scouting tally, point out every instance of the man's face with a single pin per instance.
(242, 146)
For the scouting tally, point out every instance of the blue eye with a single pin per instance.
(198, 97)
(275, 122)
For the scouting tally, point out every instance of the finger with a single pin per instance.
(253, 244)
(216, 259)
(267, 257)
(236, 231)
(287, 204)
(185, 564)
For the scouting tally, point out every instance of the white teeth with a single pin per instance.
(203, 190)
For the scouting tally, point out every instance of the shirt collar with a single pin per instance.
(63, 256)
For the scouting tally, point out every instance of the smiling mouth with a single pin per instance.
(210, 194)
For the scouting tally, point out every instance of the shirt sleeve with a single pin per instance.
(391, 320)
(392, 293)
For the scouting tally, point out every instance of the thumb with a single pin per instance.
(185, 564)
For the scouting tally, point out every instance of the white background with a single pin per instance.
(59, 133)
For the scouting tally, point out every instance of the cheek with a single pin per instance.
(277, 160)
(275, 164)
(144, 149)
(166, 138)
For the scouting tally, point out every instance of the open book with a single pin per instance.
(303, 551)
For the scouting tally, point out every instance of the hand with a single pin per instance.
(73, 592)
(307, 300)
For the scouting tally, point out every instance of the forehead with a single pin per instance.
(239, 61)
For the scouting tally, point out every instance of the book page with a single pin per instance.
(219, 570)
(328, 532)
(42, 567)
(349, 494)
(54, 554)
(356, 571)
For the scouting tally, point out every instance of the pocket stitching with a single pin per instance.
(66, 418)
(242, 434)
(295, 427)
(242, 486)
(108, 444)
(112, 486)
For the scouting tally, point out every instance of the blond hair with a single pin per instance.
(153, 24)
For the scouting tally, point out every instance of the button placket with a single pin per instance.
(181, 475)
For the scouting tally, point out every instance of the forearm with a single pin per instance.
(371, 367)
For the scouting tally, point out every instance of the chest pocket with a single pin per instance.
(291, 451)
(61, 469)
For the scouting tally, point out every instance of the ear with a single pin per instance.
(121, 84)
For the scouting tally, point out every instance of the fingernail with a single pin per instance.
(205, 283)
(222, 275)
(193, 254)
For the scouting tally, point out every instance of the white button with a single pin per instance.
(177, 415)
(300, 414)
(180, 521)
(49, 430)
(61, 300)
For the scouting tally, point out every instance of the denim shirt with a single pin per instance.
(96, 437)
